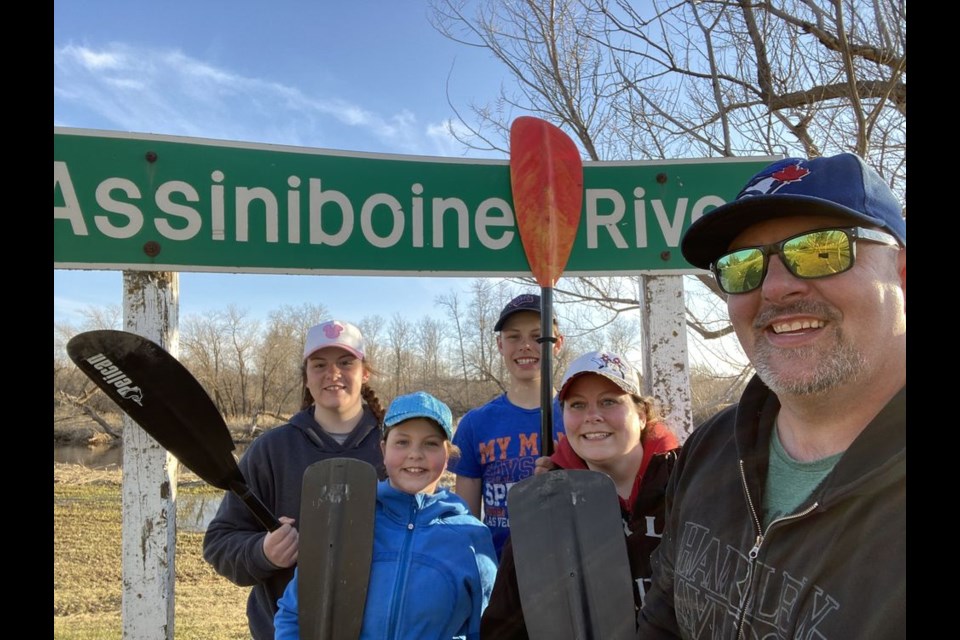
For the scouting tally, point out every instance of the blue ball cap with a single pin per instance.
(841, 185)
(419, 405)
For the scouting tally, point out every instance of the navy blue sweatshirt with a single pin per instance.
(273, 467)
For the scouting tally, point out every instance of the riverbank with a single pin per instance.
(71, 427)
(87, 565)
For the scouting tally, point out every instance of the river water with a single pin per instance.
(194, 512)
(92, 457)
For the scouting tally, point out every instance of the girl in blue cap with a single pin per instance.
(434, 564)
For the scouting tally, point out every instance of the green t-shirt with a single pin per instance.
(789, 482)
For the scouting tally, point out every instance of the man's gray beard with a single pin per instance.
(836, 367)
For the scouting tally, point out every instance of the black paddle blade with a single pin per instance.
(153, 388)
(571, 557)
(163, 397)
(337, 508)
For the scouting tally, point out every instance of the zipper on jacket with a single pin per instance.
(403, 566)
(752, 555)
(755, 549)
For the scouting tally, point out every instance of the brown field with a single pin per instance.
(87, 563)
(87, 566)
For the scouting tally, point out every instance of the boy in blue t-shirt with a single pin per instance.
(500, 441)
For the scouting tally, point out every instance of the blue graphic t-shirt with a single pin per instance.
(499, 443)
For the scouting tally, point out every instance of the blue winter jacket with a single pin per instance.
(433, 570)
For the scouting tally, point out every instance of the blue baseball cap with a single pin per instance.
(419, 405)
(837, 185)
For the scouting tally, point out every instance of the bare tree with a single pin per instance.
(277, 366)
(450, 302)
(256, 365)
(399, 340)
(682, 79)
(67, 377)
(372, 328)
(484, 310)
(713, 392)
(203, 352)
(559, 71)
(242, 343)
(74, 393)
(374, 339)
(429, 344)
(709, 78)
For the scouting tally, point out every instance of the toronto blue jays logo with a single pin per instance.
(779, 176)
(113, 375)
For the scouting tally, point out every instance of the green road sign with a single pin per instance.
(163, 203)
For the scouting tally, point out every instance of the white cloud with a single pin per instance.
(442, 139)
(128, 88)
(93, 60)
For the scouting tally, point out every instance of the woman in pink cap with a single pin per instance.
(340, 417)
(610, 428)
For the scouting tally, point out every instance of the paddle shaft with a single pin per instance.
(259, 510)
(547, 340)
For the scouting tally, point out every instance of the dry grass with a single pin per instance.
(87, 551)
(87, 561)
(87, 581)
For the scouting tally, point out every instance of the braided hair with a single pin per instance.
(370, 397)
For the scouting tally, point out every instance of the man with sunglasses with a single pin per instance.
(786, 513)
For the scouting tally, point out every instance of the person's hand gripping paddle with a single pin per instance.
(163, 397)
(565, 526)
(337, 509)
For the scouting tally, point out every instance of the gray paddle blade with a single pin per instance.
(337, 509)
(571, 557)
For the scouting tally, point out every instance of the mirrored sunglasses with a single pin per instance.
(808, 255)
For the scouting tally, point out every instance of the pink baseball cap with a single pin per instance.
(334, 333)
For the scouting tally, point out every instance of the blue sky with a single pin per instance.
(364, 75)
